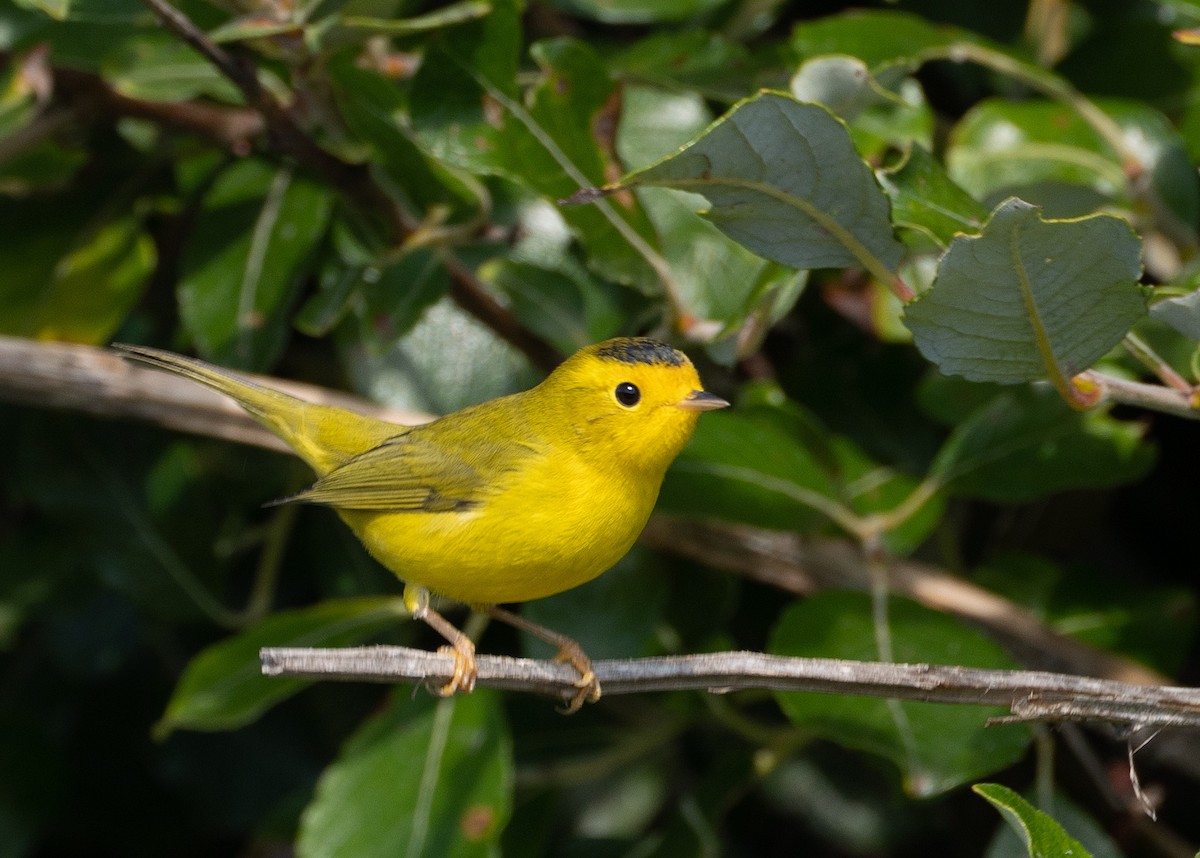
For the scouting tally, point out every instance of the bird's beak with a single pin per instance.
(701, 400)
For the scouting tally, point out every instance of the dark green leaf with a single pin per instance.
(638, 11)
(748, 470)
(420, 778)
(158, 67)
(880, 37)
(936, 746)
(1026, 443)
(249, 249)
(614, 616)
(1030, 298)
(714, 66)
(758, 166)
(69, 276)
(924, 198)
(223, 687)
(465, 113)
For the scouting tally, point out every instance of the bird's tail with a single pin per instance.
(323, 436)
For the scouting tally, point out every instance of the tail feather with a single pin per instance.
(323, 436)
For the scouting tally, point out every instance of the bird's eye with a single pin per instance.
(628, 394)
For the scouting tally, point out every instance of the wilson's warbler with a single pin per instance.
(513, 499)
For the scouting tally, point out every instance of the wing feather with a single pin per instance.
(418, 471)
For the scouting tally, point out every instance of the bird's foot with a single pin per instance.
(572, 653)
(465, 668)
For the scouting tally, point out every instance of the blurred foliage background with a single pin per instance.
(366, 194)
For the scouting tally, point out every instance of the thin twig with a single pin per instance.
(1028, 694)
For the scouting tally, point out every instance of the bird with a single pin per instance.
(509, 500)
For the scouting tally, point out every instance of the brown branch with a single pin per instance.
(1029, 695)
(87, 96)
(100, 382)
(803, 566)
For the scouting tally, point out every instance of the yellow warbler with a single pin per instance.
(513, 499)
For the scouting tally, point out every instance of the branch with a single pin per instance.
(100, 382)
(1029, 695)
(1153, 397)
(97, 381)
(803, 566)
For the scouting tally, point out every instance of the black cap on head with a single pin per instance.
(641, 350)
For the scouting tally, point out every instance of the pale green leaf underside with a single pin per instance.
(1030, 298)
(784, 179)
(1042, 836)
(1181, 313)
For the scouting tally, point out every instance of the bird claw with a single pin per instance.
(465, 670)
(587, 683)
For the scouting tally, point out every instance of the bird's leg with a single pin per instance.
(416, 599)
(569, 651)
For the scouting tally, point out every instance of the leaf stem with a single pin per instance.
(1142, 350)
(1052, 87)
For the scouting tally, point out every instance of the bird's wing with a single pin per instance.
(417, 471)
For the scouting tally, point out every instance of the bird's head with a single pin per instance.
(631, 401)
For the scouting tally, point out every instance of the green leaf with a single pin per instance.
(1044, 838)
(419, 372)
(716, 278)
(1151, 623)
(925, 199)
(681, 61)
(465, 112)
(1182, 313)
(613, 616)
(1046, 153)
(936, 746)
(159, 67)
(784, 180)
(68, 276)
(754, 471)
(879, 37)
(1030, 298)
(394, 297)
(250, 247)
(638, 11)
(223, 688)
(455, 13)
(550, 303)
(1026, 443)
(420, 778)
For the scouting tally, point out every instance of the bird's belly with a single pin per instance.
(510, 548)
